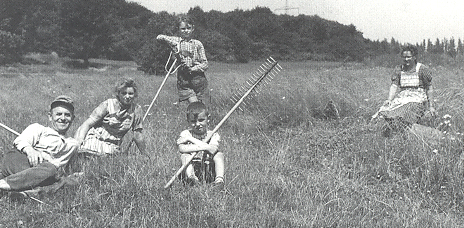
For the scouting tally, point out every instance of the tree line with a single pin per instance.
(120, 30)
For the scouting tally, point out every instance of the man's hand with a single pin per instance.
(35, 157)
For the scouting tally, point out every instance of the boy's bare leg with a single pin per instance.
(219, 165)
(189, 171)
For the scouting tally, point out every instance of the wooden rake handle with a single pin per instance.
(9, 129)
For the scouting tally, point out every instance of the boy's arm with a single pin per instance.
(195, 145)
(172, 41)
(200, 64)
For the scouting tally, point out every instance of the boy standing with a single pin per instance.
(191, 79)
(192, 140)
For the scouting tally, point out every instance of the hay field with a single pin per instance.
(285, 165)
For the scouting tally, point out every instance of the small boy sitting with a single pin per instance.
(192, 140)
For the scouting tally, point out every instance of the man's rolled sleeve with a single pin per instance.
(29, 137)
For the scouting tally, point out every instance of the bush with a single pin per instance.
(10, 47)
(218, 46)
(152, 58)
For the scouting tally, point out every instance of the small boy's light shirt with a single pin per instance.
(54, 147)
(191, 51)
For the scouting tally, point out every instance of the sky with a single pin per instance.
(407, 21)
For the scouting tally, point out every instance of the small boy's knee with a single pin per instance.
(218, 157)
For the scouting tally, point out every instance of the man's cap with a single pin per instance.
(63, 100)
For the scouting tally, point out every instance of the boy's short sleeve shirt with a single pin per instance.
(213, 141)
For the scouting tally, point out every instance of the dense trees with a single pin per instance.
(116, 29)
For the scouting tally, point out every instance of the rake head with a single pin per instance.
(258, 80)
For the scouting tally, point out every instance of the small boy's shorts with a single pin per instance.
(191, 84)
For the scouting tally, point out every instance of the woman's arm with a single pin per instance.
(139, 140)
(429, 93)
(391, 93)
(83, 129)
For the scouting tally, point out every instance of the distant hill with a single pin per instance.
(119, 30)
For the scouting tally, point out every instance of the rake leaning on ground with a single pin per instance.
(263, 76)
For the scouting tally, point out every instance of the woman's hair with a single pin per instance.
(410, 48)
(128, 82)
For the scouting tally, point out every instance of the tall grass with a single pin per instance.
(285, 166)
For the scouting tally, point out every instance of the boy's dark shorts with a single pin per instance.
(191, 84)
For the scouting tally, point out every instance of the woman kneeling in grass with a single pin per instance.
(101, 134)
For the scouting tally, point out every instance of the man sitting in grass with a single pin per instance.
(40, 151)
(192, 140)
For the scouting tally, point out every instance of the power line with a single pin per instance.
(287, 8)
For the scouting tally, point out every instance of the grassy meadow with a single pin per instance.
(285, 165)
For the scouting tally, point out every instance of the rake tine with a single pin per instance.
(250, 82)
(267, 80)
(266, 67)
(272, 75)
(234, 98)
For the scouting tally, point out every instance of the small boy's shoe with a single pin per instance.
(218, 184)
